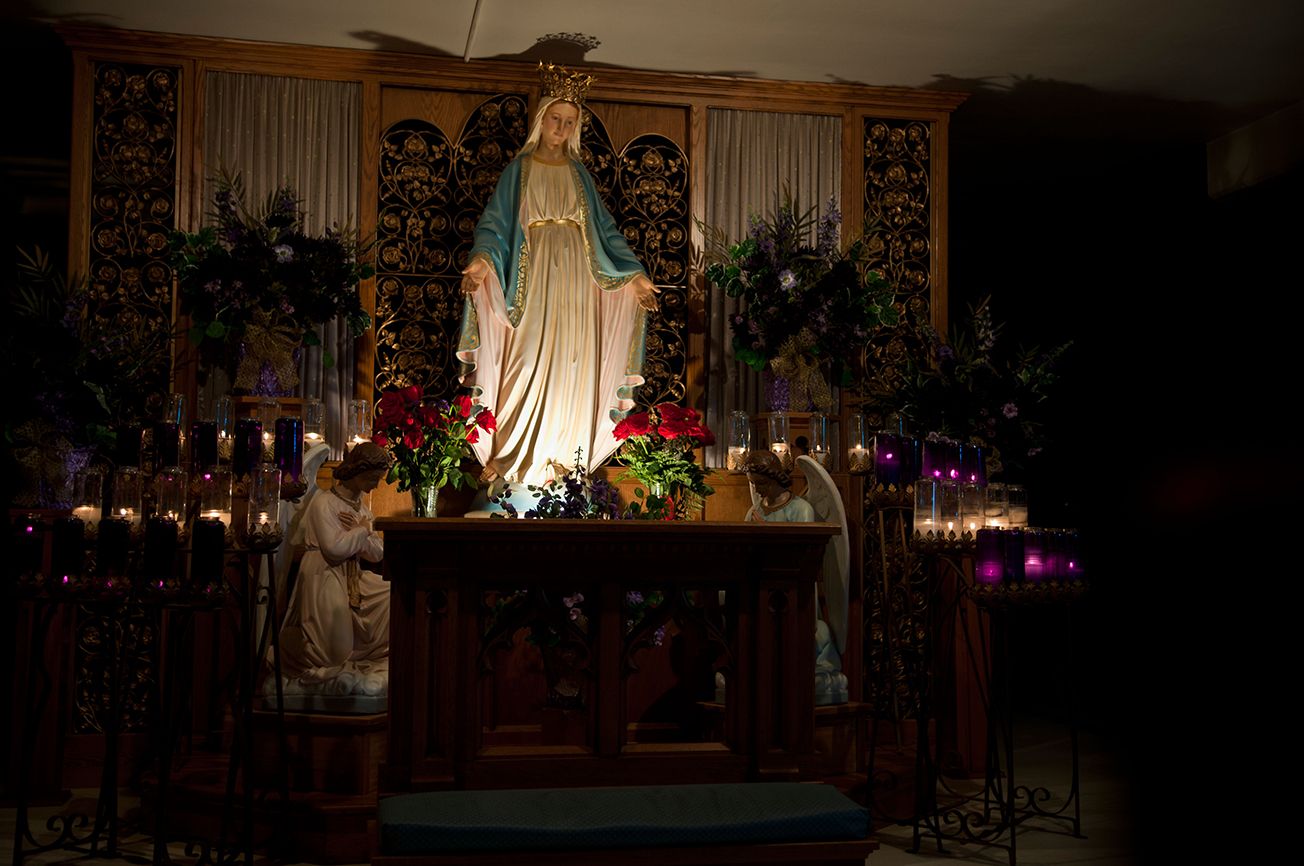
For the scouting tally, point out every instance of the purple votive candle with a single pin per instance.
(247, 448)
(68, 556)
(207, 551)
(203, 446)
(1074, 568)
(972, 467)
(887, 459)
(1054, 540)
(160, 560)
(989, 566)
(933, 464)
(1014, 555)
(288, 448)
(909, 448)
(951, 461)
(114, 542)
(167, 444)
(29, 545)
(1034, 556)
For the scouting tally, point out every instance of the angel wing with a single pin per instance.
(823, 496)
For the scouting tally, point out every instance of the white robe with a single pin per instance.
(327, 646)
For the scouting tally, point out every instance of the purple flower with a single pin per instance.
(945, 352)
(1010, 410)
(633, 596)
(787, 280)
(284, 253)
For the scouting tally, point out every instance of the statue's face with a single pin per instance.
(558, 124)
(365, 482)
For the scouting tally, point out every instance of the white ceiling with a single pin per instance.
(1246, 55)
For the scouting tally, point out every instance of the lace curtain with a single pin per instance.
(753, 155)
(271, 129)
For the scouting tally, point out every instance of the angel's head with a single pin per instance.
(765, 470)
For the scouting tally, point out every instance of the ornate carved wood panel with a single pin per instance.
(133, 197)
(431, 191)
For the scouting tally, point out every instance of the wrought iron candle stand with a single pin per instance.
(259, 545)
(102, 576)
(991, 816)
(897, 609)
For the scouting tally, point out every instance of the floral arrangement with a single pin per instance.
(77, 372)
(968, 390)
(575, 496)
(799, 300)
(429, 438)
(657, 450)
(258, 278)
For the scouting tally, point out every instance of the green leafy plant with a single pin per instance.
(657, 449)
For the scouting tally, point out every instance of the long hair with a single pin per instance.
(536, 130)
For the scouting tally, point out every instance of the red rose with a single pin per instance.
(380, 439)
(414, 438)
(430, 416)
(473, 435)
(412, 393)
(463, 403)
(633, 425)
(671, 412)
(388, 408)
(702, 434)
(673, 429)
(486, 421)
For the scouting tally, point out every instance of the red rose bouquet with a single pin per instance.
(658, 451)
(429, 438)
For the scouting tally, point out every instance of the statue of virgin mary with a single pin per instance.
(556, 304)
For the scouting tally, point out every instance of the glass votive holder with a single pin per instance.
(224, 416)
(928, 506)
(1017, 500)
(264, 496)
(247, 450)
(951, 460)
(358, 423)
(128, 493)
(972, 508)
(989, 563)
(949, 516)
(203, 446)
(739, 441)
(780, 443)
(88, 496)
(997, 509)
(887, 459)
(268, 411)
(314, 422)
(215, 495)
(174, 409)
(1034, 556)
(170, 488)
(820, 450)
(127, 446)
(859, 458)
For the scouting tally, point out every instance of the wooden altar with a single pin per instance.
(441, 627)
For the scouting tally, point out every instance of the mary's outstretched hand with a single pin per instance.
(644, 291)
(474, 275)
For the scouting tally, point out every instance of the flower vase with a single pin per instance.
(264, 371)
(425, 501)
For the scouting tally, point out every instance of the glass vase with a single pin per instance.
(425, 501)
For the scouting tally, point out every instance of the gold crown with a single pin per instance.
(560, 82)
